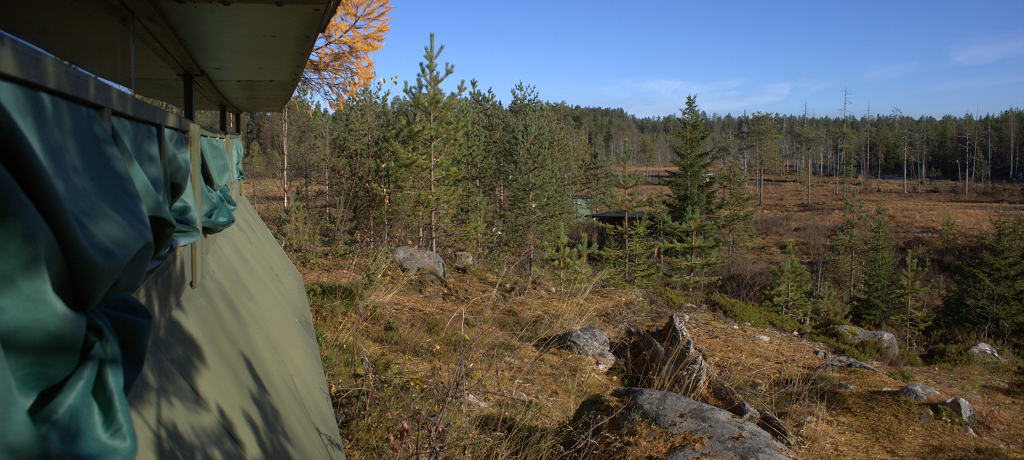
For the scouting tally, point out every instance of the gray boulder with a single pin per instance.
(412, 260)
(886, 339)
(590, 342)
(961, 407)
(984, 350)
(846, 361)
(918, 391)
(724, 435)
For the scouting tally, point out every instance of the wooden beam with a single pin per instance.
(189, 94)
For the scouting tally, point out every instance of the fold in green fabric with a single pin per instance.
(184, 208)
(139, 147)
(239, 153)
(218, 204)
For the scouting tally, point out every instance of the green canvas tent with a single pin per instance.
(145, 310)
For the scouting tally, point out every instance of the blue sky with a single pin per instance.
(927, 58)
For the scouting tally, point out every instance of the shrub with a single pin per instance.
(949, 353)
(910, 357)
(745, 278)
(785, 322)
(738, 310)
(1016, 384)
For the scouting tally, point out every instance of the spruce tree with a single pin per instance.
(879, 295)
(692, 184)
(989, 293)
(692, 253)
(790, 288)
(695, 219)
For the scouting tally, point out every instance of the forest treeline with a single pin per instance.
(982, 149)
(459, 171)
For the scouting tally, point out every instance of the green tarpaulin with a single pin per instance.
(77, 233)
(95, 226)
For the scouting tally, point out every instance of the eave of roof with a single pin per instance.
(247, 56)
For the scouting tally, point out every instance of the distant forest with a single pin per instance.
(981, 148)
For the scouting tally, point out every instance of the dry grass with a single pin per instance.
(424, 369)
(404, 361)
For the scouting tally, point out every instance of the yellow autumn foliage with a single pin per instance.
(340, 62)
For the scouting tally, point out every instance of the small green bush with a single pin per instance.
(949, 353)
(1016, 384)
(910, 357)
(785, 322)
(738, 310)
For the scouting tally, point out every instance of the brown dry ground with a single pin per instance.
(402, 352)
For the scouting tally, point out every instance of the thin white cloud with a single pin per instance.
(679, 87)
(749, 98)
(982, 81)
(987, 50)
(890, 72)
(663, 97)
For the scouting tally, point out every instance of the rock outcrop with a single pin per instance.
(667, 359)
(721, 435)
(984, 351)
(887, 341)
(918, 392)
(961, 407)
(412, 260)
(846, 361)
(590, 342)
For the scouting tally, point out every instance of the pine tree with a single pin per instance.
(361, 167)
(736, 222)
(537, 196)
(826, 305)
(763, 138)
(847, 243)
(432, 143)
(630, 256)
(484, 167)
(570, 263)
